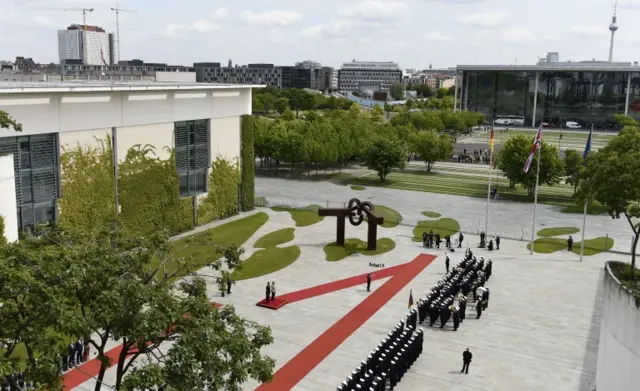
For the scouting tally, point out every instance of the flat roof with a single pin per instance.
(108, 85)
(557, 66)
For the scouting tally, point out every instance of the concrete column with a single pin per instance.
(8, 202)
(535, 101)
(466, 94)
(626, 102)
(455, 95)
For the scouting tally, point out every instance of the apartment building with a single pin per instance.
(359, 75)
(91, 45)
(251, 74)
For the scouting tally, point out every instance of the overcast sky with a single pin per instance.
(412, 32)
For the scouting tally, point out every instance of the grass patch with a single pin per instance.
(202, 247)
(466, 185)
(592, 209)
(303, 217)
(342, 178)
(444, 227)
(266, 261)
(622, 271)
(275, 238)
(391, 216)
(557, 231)
(356, 246)
(594, 246)
(432, 215)
(358, 187)
(591, 246)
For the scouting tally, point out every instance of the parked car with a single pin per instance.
(572, 125)
(546, 125)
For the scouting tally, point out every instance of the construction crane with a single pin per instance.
(84, 24)
(117, 10)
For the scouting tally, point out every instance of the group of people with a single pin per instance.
(10, 382)
(448, 299)
(431, 240)
(489, 246)
(270, 292)
(388, 362)
(77, 353)
(478, 156)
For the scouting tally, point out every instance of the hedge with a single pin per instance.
(222, 198)
(247, 192)
(3, 240)
(149, 192)
(88, 202)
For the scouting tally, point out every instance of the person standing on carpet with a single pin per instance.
(369, 278)
(267, 292)
(273, 290)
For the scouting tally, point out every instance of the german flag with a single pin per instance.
(410, 299)
(491, 144)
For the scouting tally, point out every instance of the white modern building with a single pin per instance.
(91, 44)
(201, 121)
(376, 76)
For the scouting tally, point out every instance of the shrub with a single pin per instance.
(222, 199)
(247, 164)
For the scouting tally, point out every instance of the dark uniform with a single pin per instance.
(478, 309)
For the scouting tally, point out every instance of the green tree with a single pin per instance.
(281, 104)
(287, 115)
(431, 147)
(6, 122)
(611, 176)
(572, 162)
(513, 155)
(299, 100)
(377, 114)
(332, 103)
(398, 91)
(384, 155)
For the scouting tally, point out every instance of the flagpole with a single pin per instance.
(584, 227)
(535, 200)
(486, 220)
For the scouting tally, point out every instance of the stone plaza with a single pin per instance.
(540, 331)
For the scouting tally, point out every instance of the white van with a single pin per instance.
(503, 121)
(572, 125)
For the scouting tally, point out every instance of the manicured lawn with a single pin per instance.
(266, 261)
(444, 227)
(471, 186)
(275, 238)
(433, 215)
(202, 248)
(358, 188)
(303, 217)
(592, 209)
(557, 231)
(356, 246)
(622, 271)
(591, 246)
(391, 216)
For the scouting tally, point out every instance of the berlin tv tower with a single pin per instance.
(613, 27)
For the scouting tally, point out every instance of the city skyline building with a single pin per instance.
(368, 75)
(613, 27)
(88, 45)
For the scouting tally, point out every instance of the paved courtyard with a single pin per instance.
(539, 333)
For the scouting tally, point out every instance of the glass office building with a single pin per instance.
(553, 93)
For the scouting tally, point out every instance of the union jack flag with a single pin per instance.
(534, 148)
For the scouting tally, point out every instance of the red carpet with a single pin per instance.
(91, 368)
(272, 304)
(298, 367)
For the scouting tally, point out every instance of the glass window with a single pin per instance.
(44, 212)
(192, 155)
(201, 181)
(27, 195)
(25, 160)
(184, 185)
(26, 178)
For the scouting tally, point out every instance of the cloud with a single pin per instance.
(516, 35)
(271, 18)
(436, 37)
(485, 20)
(332, 29)
(221, 13)
(454, 2)
(44, 21)
(588, 31)
(375, 11)
(181, 31)
(274, 36)
(630, 4)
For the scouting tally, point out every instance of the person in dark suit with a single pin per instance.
(570, 244)
(497, 242)
(466, 360)
(267, 292)
(369, 278)
(446, 263)
(460, 239)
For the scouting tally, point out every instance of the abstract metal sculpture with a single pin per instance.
(356, 211)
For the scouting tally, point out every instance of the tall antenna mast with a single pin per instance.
(613, 27)
(117, 10)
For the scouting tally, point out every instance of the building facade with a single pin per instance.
(359, 75)
(129, 70)
(90, 44)
(251, 74)
(200, 122)
(552, 92)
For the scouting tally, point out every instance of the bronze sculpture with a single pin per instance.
(356, 211)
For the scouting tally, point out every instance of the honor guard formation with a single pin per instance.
(393, 357)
